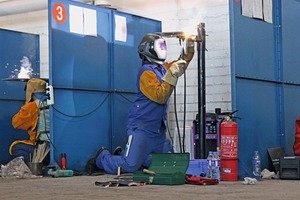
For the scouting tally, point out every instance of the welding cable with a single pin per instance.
(184, 112)
(181, 144)
(184, 104)
(85, 114)
(119, 93)
(176, 120)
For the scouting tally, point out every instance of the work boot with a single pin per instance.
(118, 150)
(91, 166)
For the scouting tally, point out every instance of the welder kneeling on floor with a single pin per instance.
(147, 119)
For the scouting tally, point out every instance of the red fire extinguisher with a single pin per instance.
(229, 148)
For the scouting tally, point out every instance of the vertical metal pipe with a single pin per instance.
(201, 89)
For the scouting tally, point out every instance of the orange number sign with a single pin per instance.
(59, 13)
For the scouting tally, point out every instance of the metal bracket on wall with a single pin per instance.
(50, 95)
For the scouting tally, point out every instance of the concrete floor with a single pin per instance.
(83, 187)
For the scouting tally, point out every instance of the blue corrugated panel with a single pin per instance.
(86, 70)
(292, 112)
(258, 127)
(81, 122)
(126, 60)
(14, 45)
(291, 40)
(121, 105)
(265, 71)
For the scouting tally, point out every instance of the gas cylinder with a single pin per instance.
(229, 149)
(229, 140)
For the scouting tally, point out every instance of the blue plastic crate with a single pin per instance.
(197, 167)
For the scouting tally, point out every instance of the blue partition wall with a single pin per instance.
(14, 45)
(265, 85)
(94, 80)
(291, 73)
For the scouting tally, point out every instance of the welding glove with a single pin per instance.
(176, 69)
(189, 50)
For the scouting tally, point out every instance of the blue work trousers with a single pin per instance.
(140, 145)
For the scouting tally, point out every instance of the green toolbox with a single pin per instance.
(165, 169)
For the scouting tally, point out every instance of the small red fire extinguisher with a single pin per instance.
(63, 161)
(229, 148)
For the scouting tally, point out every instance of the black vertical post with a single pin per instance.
(201, 47)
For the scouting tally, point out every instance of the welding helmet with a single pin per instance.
(34, 85)
(154, 48)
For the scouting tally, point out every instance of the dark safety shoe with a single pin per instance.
(118, 150)
(91, 166)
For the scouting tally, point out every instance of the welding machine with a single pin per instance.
(212, 132)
